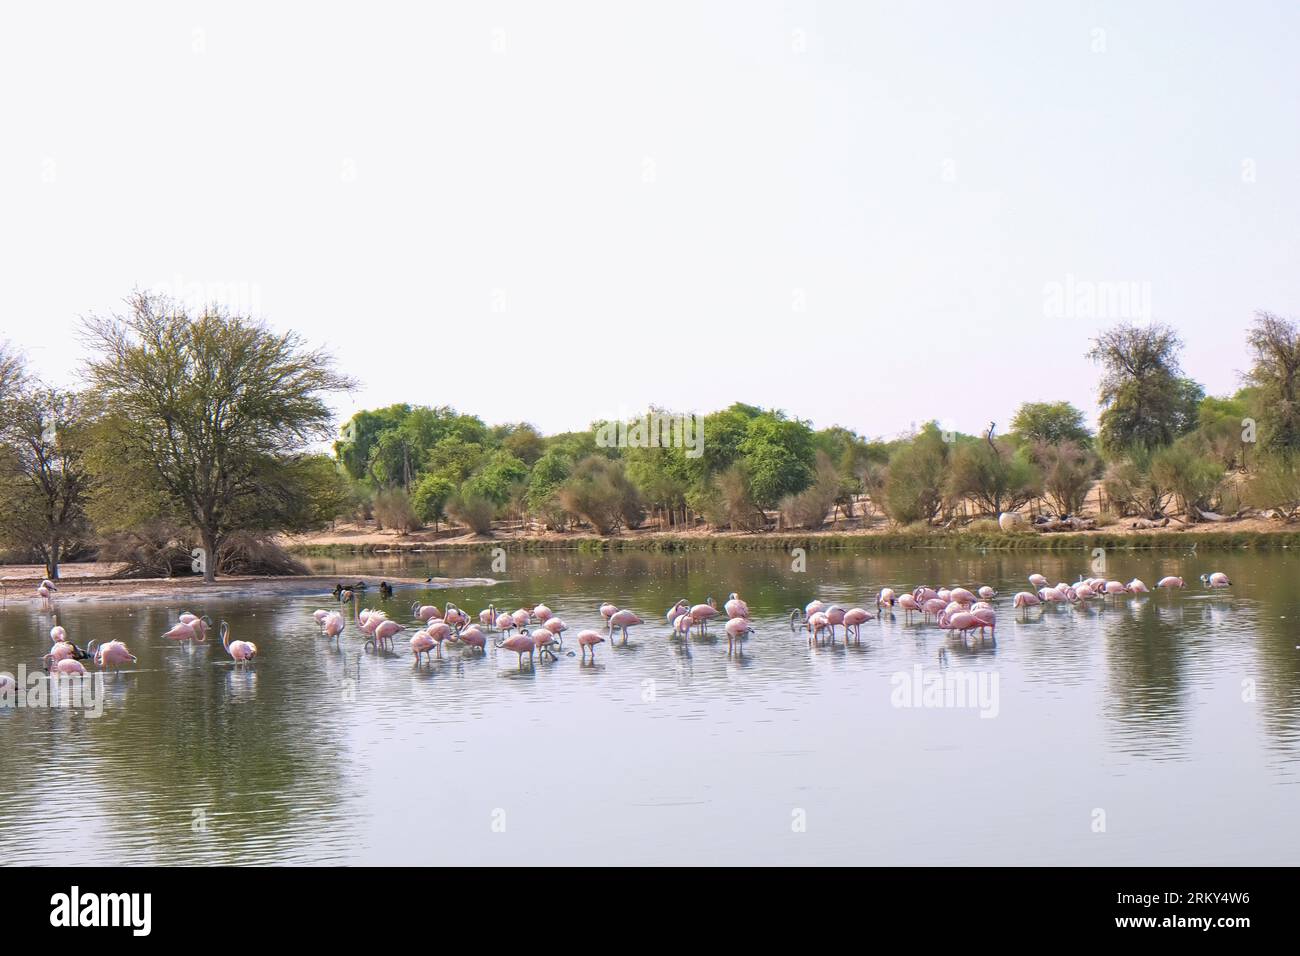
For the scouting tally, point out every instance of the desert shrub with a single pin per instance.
(917, 474)
(430, 496)
(1067, 470)
(393, 510)
(1275, 485)
(873, 476)
(599, 491)
(993, 475)
(808, 508)
(733, 503)
(1130, 484)
(472, 510)
(1193, 480)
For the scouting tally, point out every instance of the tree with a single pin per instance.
(212, 409)
(1191, 479)
(430, 497)
(544, 483)
(917, 473)
(995, 476)
(1276, 378)
(43, 468)
(1068, 470)
(1050, 422)
(599, 491)
(778, 455)
(1144, 398)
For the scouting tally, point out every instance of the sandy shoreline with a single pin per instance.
(20, 587)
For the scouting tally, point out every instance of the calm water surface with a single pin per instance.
(1161, 729)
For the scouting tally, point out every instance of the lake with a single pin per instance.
(1162, 729)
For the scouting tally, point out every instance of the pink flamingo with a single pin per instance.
(57, 632)
(45, 590)
(62, 651)
(1170, 582)
(438, 631)
(909, 604)
(622, 620)
(1115, 588)
(834, 617)
(505, 622)
(112, 654)
(677, 610)
(735, 607)
(521, 644)
(932, 607)
(557, 627)
(385, 631)
(455, 616)
(1137, 587)
(986, 593)
(240, 651)
(885, 598)
(738, 629)
(854, 618)
(543, 641)
(473, 637)
(543, 613)
(607, 611)
(589, 639)
(682, 624)
(193, 631)
(68, 667)
(334, 624)
(521, 618)
(1217, 579)
(923, 594)
(422, 643)
(1026, 599)
(1038, 581)
(961, 596)
(985, 617)
(817, 623)
(320, 615)
(425, 612)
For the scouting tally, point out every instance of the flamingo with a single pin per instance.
(923, 594)
(334, 624)
(987, 593)
(385, 631)
(1137, 587)
(885, 597)
(320, 616)
(1115, 588)
(543, 641)
(1216, 579)
(985, 617)
(589, 639)
(521, 618)
(455, 616)
(438, 631)
(241, 651)
(677, 610)
(505, 622)
(557, 627)
(961, 596)
(1170, 582)
(622, 620)
(422, 643)
(112, 654)
(853, 620)
(909, 604)
(683, 623)
(738, 629)
(817, 623)
(488, 616)
(834, 617)
(735, 607)
(63, 651)
(57, 632)
(607, 611)
(1038, 581)
(473, 637)
(521, 644)
(1026, 599)
(425, 612)
(45, 590)
(194, 630)
(543, 613)
(68, 666)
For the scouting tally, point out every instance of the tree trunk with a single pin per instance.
(209, 556)
(52, 564)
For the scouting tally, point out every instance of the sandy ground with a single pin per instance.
(77, 584)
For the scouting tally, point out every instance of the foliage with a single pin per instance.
(778, 453)
(808, 508)
(1068, 470)
(1050, 423)
(1275, 485)
(1191, 479)
(1130, 484)
(215, 408)
(473, 510)
(917, 477)
(430, 496)
(1144, 398)
(600, 493)
(394, 511)
(1275, 376)
(995, 476)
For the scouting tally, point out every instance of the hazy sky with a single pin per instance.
(868, 214)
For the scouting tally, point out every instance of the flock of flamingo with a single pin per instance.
(954, 609)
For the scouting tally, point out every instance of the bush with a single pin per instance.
(917, 472)
(1067, 470)
(993, 475)
(733, 504)
(1193, 480)
(430, 497)
(808, 508)
(1275, 485)
(472, 510)
(393, 511)
(1130, 484)
(600, 492)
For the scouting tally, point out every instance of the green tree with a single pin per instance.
(1144, 398)
(430, 497)
(1275, 377)
(216, 409)
(994, 475)
(778, 454)
(1050, 422)
(917, 475)
(44, 475)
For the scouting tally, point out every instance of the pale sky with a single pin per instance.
(865, 213)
